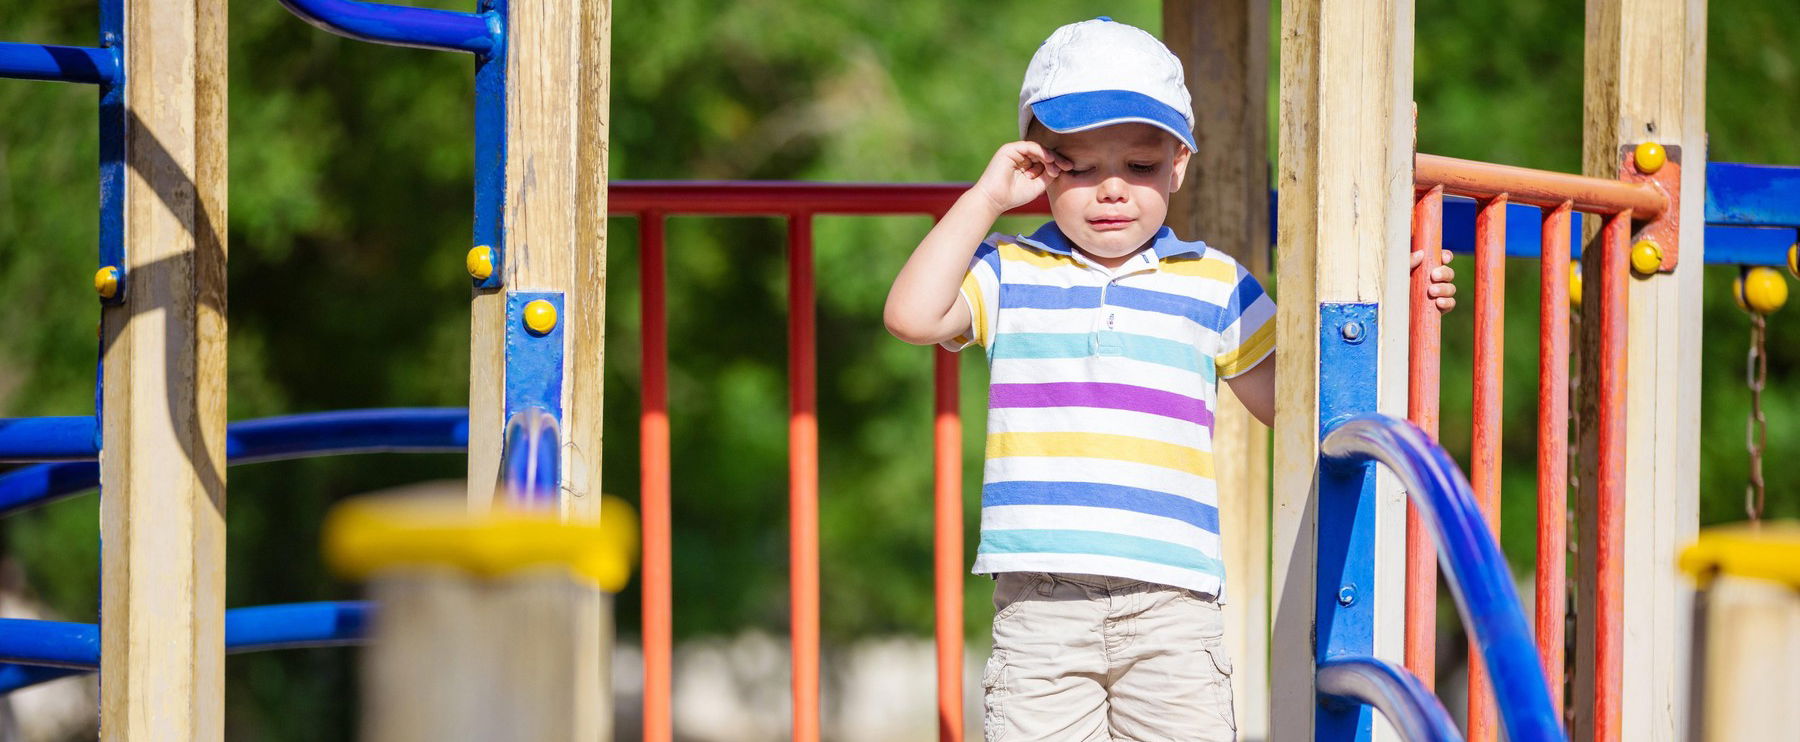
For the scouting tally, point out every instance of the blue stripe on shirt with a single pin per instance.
(1058, 541)
(1035, 345)
(1088, 494)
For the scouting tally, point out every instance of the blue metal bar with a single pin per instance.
(1396, 693)
(50, 643)
(1479, 579)
(40, 651)
(1752, 195)
(424, 28)
(1524, 228)
(83, 64)
(1748, 245)
(396, 430)
(30, 439)
(531, 462)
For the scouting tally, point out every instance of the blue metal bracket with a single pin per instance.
(490, 149)
(112, 156)
(533, 408)
(1345, 607)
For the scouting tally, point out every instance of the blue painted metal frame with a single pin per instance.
(79, 64)
(395, 430)
(534, 363)
(112, 160)
(33, 652)
(1399, 695)
(1475, 568)
(490, 149)
(1752, 195)
(31, 439)
(531, 461)
(1344, 612)
(397, 25)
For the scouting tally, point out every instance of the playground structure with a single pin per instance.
(1342, 597)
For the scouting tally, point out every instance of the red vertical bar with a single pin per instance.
(1484, 446)
(803, 481)
(948, 561)
(653, 497)
(1610, 490)
(1553, 448)
(1426, 346)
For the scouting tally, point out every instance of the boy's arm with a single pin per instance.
(1256, 389)
(925, 305)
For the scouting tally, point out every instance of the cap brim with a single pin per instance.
(1091, 110)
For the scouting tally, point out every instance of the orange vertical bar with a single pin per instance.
(1610, 490)
(653, 497)
(1553, 448)
(948, 562)
(803, 481)
(1484, 446)
(1426, 346)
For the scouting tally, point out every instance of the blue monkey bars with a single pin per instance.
(82, 64)
(40, 651)
(393, 430)
(397, 25)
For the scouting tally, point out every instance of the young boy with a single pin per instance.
(1105, 336)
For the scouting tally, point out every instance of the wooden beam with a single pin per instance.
(554, 220)
(1646, 81)
(1224, 49)
(162, 465)
(1346, 191)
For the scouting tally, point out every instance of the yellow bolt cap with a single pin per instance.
(1646, 257)
(106, 282)
(540, 316)
(1575, 284)
(1761, 290)
(480, 262)
(1650, 157)
(1794, 259)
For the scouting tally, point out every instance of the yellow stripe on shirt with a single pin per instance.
(1015, 252)
(1102, 446)
(971, 290)
(1250, 351)
(1215, 269)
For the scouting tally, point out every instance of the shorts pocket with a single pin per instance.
(1010, 589)
(993, 695)
(1221, 661)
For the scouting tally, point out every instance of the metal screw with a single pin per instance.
(1353, 332)
(1346, 594)
(109, 38)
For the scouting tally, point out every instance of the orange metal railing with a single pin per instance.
(1557, 195)
(651, 203)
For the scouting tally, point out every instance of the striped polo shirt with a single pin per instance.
(1102, 388)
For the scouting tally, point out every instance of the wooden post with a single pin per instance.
(1224, 48)
(1646, 81)
(162, 464)
(1346, 192)
(554, 221)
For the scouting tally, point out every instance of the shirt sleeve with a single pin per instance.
(1249, 335)
(981, 291)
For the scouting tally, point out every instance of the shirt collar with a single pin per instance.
(1164, 245)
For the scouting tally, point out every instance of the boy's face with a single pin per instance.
(1117, 196)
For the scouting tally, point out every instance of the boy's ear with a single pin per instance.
(1181, 162)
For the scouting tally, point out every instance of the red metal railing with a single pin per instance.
(651, 203)
(1557, 194)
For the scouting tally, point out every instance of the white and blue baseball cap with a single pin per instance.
(1099, 73)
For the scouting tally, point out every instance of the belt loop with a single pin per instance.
(1047, 586)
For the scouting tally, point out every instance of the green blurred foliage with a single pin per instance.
(349, 211)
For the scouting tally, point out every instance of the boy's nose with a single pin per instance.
(1112, 190)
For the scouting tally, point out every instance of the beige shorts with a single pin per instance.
(1081, 658)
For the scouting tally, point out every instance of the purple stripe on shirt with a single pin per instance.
(1104, 396)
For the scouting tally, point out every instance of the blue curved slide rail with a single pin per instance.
(392, 430)
(40, 651)
(1472, 560)
(1398, 694)
(397, 25)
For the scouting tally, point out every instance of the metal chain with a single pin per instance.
(1756, 427)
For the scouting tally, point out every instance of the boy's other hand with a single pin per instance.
(1019, 173)
(1441, 290)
